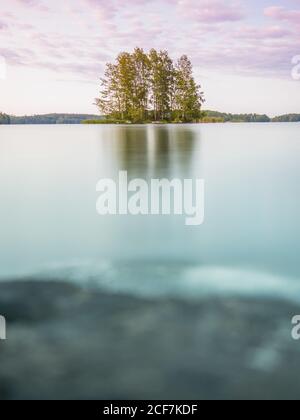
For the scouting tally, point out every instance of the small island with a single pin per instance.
(148, 88)
(141, 87)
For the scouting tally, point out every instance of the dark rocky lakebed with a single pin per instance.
(67, 342)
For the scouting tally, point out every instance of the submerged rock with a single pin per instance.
(64, 342)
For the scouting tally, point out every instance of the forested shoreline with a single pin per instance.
(52, 118)
(207, 117)
(143, 88)
(4, 118)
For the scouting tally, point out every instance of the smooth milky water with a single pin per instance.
(249, 242)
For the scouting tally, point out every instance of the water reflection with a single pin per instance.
(248, 246)
(152, 151)
(251, 208)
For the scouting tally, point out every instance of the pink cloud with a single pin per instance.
(211, 11)
(102, 8)
(208, 11)
(281, 13)
(270, 32)
(3, 25)
(38, 4)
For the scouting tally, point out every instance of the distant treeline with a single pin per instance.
(287, 118)
(224, 117)
(49, 119)
(206, 117)
(214, 116)
(4, 119)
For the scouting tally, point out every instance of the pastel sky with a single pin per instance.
(55, 50)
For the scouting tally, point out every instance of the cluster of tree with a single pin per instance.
(141, 87)
(224, 117)
(4, 119)
(53, 119)
(287, 118)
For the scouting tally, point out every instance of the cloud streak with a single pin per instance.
(283, 14)
(211, 11)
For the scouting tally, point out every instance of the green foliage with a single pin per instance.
(236, 117)
(105, 121)
(174, 117)
(188, 98)
(287, 118)
(212, 120)
(4, 119)
(52, 119)
(141, 87)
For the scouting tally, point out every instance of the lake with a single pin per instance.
(248, 244)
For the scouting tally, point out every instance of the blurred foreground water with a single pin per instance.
(146, 307)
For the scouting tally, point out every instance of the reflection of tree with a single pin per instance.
(185, 145)
(161, 158)
(155, 151)
(132, 149)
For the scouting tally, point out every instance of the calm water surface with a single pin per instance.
(249, 242)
